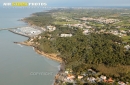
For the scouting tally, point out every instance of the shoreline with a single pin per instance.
(47, 55)
(50, 56)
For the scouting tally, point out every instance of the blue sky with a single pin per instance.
(78, 2)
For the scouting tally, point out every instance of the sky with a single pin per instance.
(77, 2)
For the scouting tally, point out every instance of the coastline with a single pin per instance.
(47, 55)
(50, 56)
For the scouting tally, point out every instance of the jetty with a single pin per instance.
(8, 28)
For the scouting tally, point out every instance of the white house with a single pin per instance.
(103, 77)
(66, 35)
(121, 83)
(80, 77)
(66, 72)
(86, 31)
(127, 47)
(51, 28)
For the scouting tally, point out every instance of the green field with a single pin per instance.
(126, 38)
(63, 22)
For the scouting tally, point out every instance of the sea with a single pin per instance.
(19, 64)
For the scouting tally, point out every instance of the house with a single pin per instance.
(86, 31)
(80, 77)
(69, 70)
(66, 35)
(87, 26)
(91, 79)
(77, 25)
(84, 74)
(122, 31)
(51, 28)
(103, 77)
(39, 37)
(66, 72)
(127, 47)
(69, 77)
(91, 71)
(110, 80)
(121, 83)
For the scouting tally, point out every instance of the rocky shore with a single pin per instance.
(48, 55)
(51, 56)
(58, 75)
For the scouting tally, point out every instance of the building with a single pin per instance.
(103, 77)
(66, 35)
(110, 80)
(91, 79)
(127, 47)
(51, 28)
(121, 83)
(66, 72)
(70, 77)
(86, 31)
(80, 77)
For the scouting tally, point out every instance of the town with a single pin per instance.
(66, 24)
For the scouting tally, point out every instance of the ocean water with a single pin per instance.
(21, 65)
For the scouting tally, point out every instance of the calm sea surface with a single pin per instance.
(21, 65)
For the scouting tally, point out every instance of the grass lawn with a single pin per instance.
(61, 23)
(126, 38)
(124, 29)
(113, 70)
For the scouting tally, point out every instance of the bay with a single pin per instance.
(21, 65)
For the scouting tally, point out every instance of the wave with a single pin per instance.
(20, 45)
(59, 67)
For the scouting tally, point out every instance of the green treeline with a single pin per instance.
(83, 51)
(93, 49)
(40, 19)
(103, 52)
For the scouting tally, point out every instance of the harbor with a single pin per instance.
(27, 31)
(17, 62)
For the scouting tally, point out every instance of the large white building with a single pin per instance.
(66, 35)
